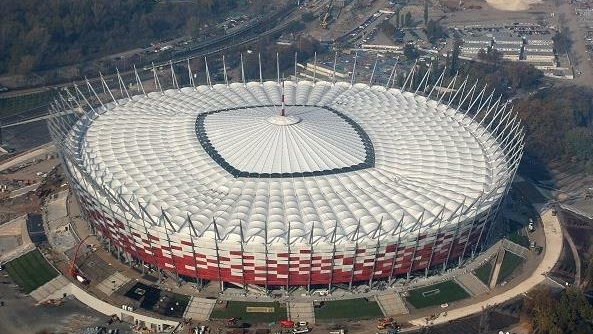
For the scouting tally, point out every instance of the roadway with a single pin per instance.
(579, 57)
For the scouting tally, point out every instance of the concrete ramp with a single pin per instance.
(472, 284)
(112, 283)
(392, 304)
(51, 289)
(301, 311)
(515, 248)
(497, 265)
(199, 309)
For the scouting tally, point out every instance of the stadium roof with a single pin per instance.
(346, 156)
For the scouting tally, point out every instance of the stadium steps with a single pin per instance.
(392, 304)
(199, 309)
(301, 311)
(50, 288)
(472, 284)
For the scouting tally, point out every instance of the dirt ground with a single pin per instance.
(512, 5)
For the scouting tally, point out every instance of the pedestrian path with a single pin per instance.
(112, 283)
(301, 311)
(48, 289)
(472, 284)
(199, 309)
(392, 304)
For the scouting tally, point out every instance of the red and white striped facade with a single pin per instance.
(301, 265)
(344, 224)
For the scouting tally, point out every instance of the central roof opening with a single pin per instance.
(308, 140)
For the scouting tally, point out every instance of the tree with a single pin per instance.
(408, 20)
(40, 35)
(308, 16)
(455, 56)
(568, 312)
(388, 29)
(434, 31)
(410, 52)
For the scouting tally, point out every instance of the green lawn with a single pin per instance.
(30, 271)
(510, 262)
(437, 294)
(235, 309)
(484, 272)
(358, 308)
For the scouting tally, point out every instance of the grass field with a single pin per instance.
(516, 233)
(484, 272)
(437, 294)
(237, 309)
(30, 271)
(358, 308)
(509, 264)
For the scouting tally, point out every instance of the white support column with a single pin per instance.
(157, 82)
(242, 71)
(410, 77)
(457, 92)
(451, 84)
(310, 257)
(208, 80)
(392, 75)
(373, 72)
(123, 85)
(289, 253)
(398, 228)
(475, 217)
(226, 78)
(315, 67)
(216, 239)
(334, 70)
(296, 73)
(440, 218)
(193, 234)
(242, 254)
(424, 79)
(377, 246)
(353, 76)
(266, 254)
(333, 242)
(454, 238)
(356, 236)
(420, 222)
(95, 93)
(277, 68)
(437, 83)
(139, 82)
(261, 79)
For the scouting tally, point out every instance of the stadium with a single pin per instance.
(289, 183)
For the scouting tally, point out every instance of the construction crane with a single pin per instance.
(325, 16)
